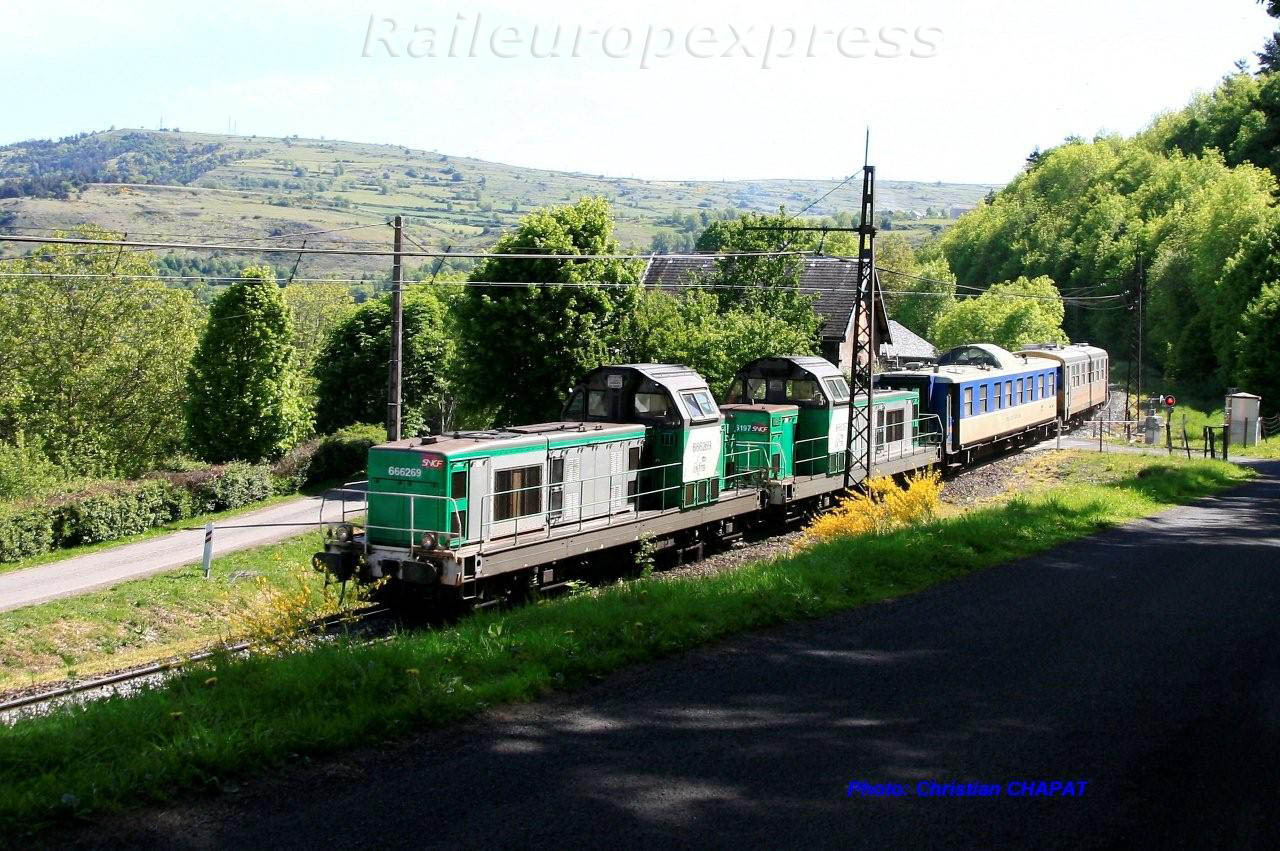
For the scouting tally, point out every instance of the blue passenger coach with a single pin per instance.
(984, 395)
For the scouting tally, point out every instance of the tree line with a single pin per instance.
(105, 370)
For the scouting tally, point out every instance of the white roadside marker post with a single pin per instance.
(208, 548)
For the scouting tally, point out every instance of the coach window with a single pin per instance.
(982, 399)
(1041, 386)
(1022, 393)
(517, 493)
(1008, 393)
(968, 401)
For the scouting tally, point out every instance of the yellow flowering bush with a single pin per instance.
(281, 617)
(881, 507)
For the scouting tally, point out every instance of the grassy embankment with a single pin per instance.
(235, 717)
(146, 620)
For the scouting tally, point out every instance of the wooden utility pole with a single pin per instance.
(397, 334)
(1142, 296)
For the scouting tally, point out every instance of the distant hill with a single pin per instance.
(215, 186)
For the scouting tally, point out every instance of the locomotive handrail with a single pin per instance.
(452, 511)
(547, 528)
(886, 450)
(486, 504)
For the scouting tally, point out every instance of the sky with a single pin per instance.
(952, 90)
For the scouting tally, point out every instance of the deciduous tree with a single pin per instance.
(540, 324)
(92, 357)
(351, 370)
(244, 401)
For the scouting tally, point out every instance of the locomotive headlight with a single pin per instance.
(344, 533)
(429, 540)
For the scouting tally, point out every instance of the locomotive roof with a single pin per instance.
(531, 436)
(791, 364)
(673, 376)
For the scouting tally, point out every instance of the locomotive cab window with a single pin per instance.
(576, 408)
(652, 405)
(597, 403)
(804, 390)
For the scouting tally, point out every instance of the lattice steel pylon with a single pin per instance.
(861, 430)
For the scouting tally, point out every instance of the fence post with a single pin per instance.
(1226, 438)
(208, 548)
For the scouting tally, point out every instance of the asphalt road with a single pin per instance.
(155, 555)
(1144, 662)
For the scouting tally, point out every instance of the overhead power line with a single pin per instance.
(479, 255)
(691, 285)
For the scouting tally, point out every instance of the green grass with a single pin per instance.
(143, 620)
(176, 526)
(237, 717)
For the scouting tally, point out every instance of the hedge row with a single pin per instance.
(108, 510)
(329, 459)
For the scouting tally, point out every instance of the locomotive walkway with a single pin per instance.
(1143, 662)
(155, 555)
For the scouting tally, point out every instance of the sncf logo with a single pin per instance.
(433, 462)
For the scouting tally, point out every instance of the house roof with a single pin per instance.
(833, 279)
(907, 344)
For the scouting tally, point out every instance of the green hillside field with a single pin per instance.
(160, 183)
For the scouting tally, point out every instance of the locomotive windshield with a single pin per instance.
(838, 389)
(806, 392)
(700, 405)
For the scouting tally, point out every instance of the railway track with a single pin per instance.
(37, 700)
